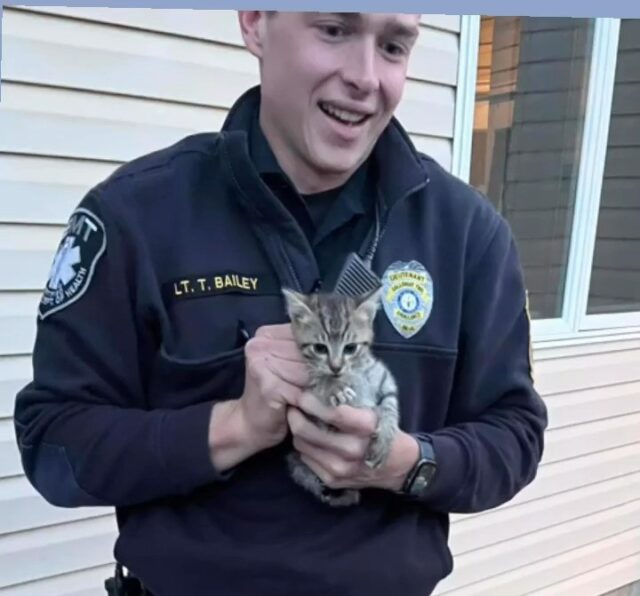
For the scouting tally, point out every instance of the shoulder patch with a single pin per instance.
(83, 243)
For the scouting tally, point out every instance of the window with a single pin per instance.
(529, 115)
(555, 145)
(615, 274)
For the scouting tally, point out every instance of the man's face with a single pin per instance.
(330, 82)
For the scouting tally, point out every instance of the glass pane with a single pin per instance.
(529, 113)
(615, 277)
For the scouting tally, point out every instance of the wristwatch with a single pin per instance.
(421, 475)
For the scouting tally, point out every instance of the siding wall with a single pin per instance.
(84, 90)
(576, 528)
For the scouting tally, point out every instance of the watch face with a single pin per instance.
(423, 478)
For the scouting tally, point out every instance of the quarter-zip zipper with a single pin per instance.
(373, 243)
(248, 181)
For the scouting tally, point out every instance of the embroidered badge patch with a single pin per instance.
(83, 243)
(407, 296)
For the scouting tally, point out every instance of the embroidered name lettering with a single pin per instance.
(226, 282)
(236, 281)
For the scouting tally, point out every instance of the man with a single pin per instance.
(166, 380)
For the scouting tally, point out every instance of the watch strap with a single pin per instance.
(426, 457)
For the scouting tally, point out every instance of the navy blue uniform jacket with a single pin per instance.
(138, 337)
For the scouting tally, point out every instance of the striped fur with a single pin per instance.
(335, 334)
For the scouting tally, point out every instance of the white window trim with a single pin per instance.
(465, 96)
(575, 324)
(591, 170)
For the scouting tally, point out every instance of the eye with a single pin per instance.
(350, 349)
(333, 30)
(394, 50)
(320, 349)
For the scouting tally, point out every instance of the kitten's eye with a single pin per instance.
(350, 349)
(320, 349)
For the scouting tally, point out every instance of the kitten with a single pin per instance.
(334, 334)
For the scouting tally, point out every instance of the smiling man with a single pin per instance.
(166, 379)
(330, 84)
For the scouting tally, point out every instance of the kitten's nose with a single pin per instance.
(336, 367)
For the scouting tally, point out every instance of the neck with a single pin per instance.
(306, 179)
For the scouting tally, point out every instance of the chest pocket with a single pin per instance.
(202, 356)
(424, 376)
(423, 370)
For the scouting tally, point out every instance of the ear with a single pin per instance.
(368, 304)
(297, 306)
(252, 23)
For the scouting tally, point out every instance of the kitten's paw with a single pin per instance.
(342, 397)
(349, 394)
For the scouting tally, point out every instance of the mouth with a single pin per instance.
(343, 116)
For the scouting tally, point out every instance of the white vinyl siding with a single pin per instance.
(84, 90)
(579, 521)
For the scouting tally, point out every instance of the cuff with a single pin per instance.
(452, 464)
(184, 447)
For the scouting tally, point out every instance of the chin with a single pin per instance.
(338, 162)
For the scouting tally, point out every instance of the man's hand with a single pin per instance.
(275, 374)
(337, 456)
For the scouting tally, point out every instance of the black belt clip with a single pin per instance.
(123, 585)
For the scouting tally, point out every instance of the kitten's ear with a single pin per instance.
(368, 304)
(297, 306)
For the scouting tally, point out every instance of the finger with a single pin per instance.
(312, 406)
(284, 349)
(282, 331)
(349, 447)
(276, 393)
(325, 471)
(359, 421)
(290, 372)
(287, 394)
(350, 420)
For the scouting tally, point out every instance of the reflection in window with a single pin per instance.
(529, 113)
(615, 276)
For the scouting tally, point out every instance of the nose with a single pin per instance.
(336, 367)
(360, 70)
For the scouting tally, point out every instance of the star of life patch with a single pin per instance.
(407, 296)
(83, 243)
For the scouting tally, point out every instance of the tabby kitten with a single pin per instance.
(334, 334)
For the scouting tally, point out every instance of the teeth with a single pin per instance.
(344, 115)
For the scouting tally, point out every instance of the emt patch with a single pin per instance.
(407, 296)
(83, 243)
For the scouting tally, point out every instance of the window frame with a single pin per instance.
(574, 323)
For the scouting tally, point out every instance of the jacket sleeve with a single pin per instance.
(82, 427)
(493, 441)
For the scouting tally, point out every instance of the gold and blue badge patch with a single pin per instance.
(407, 296)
